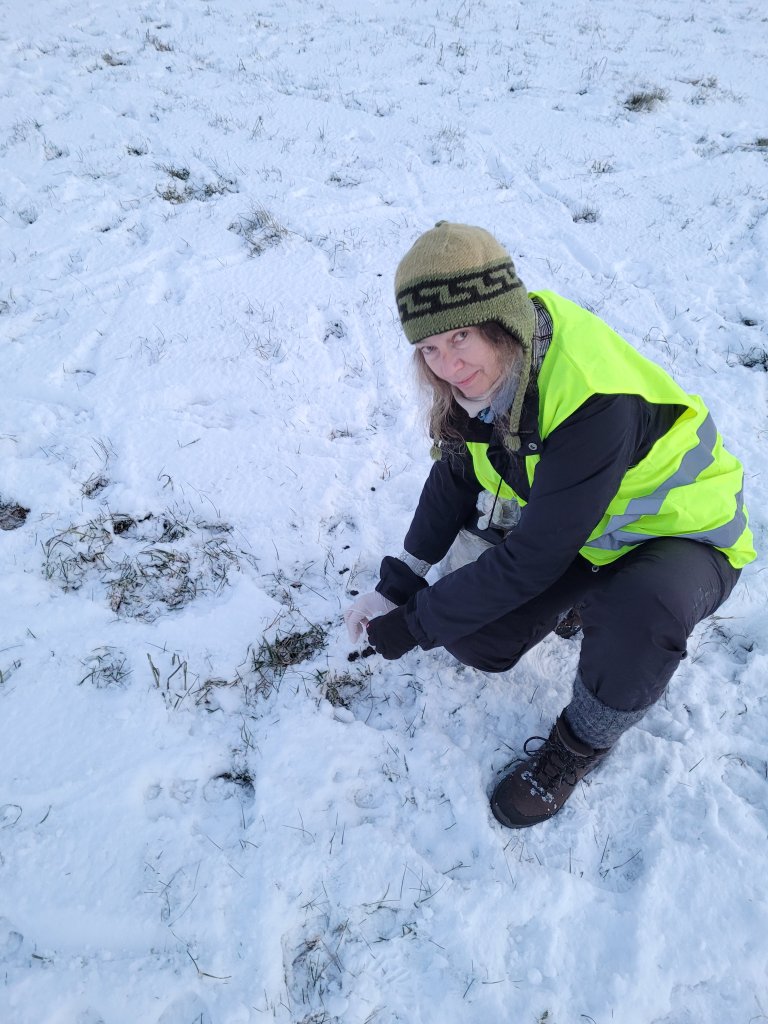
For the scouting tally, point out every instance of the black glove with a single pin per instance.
(397, 581)
(389, 635)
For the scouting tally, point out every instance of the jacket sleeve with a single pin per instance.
(581, 467)
(447, 501)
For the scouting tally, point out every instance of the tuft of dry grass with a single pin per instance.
(341, 688)
(144, 565)
(107, 669)
(12, 515)
(585, 215)
(289, 649)
(259, 229)
(645, 99)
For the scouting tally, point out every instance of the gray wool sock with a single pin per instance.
(594, 722)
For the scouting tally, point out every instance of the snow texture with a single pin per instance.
(209, 437)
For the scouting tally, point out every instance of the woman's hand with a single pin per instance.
(390, 636)
(365, 608)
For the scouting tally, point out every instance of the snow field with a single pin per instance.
(210, 416)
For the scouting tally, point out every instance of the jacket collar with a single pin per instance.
(473, 429)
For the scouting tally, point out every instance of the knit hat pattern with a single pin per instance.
(456, 275)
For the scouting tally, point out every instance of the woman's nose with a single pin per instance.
(451, 363)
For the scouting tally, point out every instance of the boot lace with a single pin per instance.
(553, 763)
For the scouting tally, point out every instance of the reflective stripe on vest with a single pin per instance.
(616, 536)
(687, 485)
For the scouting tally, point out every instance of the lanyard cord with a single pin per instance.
(493, 506)
(496, 499)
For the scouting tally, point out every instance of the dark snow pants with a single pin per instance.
(637, 614)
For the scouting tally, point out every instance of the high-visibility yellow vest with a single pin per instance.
(688, 485)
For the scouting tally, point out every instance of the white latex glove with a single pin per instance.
(365, 608)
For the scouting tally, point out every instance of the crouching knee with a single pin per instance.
(481, 655)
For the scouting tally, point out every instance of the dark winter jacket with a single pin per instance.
(582, 464)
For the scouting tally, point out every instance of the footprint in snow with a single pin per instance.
(9, 815)
(167, 803)
(368, 799)
(232, 786)
(10, 940)
(746, 778)
(180, 795)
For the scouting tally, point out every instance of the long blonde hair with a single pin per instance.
(443, 406)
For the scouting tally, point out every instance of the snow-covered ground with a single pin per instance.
(208, 813)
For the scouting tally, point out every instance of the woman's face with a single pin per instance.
(464, 358)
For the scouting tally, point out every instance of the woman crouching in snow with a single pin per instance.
(606, 487)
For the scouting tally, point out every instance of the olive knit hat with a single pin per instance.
(455, 275)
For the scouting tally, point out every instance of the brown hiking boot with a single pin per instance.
(539, 785)
(569, 625)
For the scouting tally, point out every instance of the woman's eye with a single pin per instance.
(427, 351)
(460, 337)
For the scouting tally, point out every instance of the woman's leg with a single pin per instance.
(637, 618)
(639, 615)
(500, 645)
